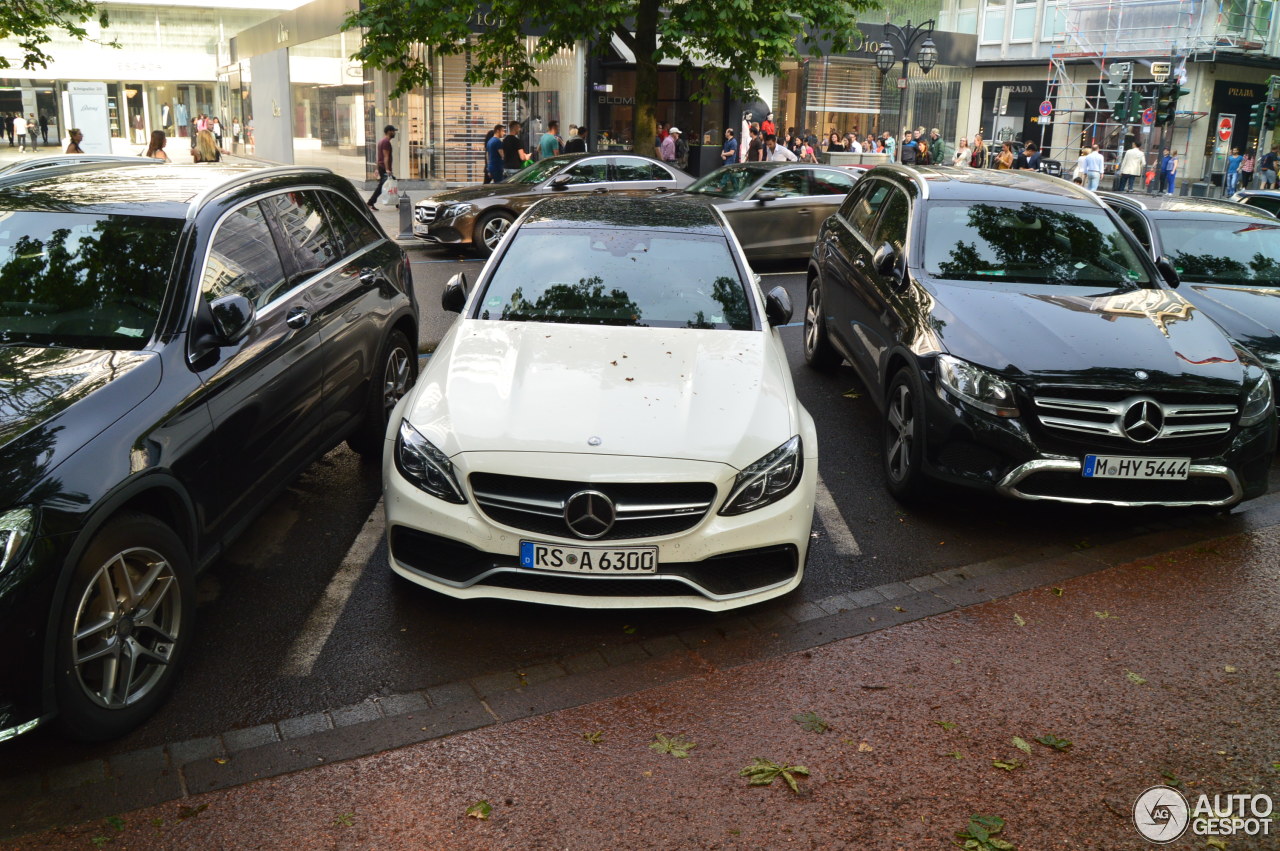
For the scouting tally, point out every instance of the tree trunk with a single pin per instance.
(646, 44)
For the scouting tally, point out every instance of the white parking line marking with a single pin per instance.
(310, 642)
(833, 521)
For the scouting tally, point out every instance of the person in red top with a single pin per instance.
(384, 163)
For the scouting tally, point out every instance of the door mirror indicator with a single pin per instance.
(454, 297)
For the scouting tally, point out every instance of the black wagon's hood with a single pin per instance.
(1078, 334)
(53, 401)
(1251, 315)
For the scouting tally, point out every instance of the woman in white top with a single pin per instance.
(962, 155)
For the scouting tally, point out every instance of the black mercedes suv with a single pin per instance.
(176, 343)
(1019, 340)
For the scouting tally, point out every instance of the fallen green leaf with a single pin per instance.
(594, 738)
(957, 755)
(811, 722)
(1019, 619)
(762, 772)
(1009, 765)
(1103, 615)
(157, 822)
(1171, 778)
(115, 822)
(677, 746)
(100, 840)
(980, 834)
(851, 394)
(629, 630)
(185, 812)
(1083, 545)
(1136, 679)
(947, 725)
(1021, 744)
(480, 810)
(1215, 842)
(1049, 740)
(344, 819)
(1230, 669)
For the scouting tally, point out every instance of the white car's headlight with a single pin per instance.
(767, 480)
(975, 385)
(15, 529)
(1258, 403)
(419, 461)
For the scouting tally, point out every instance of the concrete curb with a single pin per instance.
(103, 787)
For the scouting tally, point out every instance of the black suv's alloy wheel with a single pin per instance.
(903, 436)
(818, 352)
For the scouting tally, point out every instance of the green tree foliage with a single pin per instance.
(725, 42)
(28, 23)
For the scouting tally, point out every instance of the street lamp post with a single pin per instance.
(905, 39)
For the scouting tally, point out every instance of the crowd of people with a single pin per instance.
(24, 131)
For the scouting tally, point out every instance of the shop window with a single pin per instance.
(993, 22)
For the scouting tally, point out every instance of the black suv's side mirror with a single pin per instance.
(777, 307)
(454, 297)
(1168, 272)
(232, 317)
(885, 260)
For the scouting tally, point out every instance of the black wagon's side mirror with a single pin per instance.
(1168, 271)
(454, 297)
(777, 307)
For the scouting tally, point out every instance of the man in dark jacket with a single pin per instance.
(578, 144)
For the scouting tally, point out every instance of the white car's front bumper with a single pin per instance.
(721, 562)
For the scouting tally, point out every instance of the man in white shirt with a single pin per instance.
(20, 131)
(1093, 165)
(775, 153)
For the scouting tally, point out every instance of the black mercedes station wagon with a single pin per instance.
(176, 343)
(1019, 340)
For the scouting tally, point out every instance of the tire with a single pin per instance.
(904, 437)
(134, 632)
(489, 230)
(396, 372)
(818, 352)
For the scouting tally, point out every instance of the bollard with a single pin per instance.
(406, 217)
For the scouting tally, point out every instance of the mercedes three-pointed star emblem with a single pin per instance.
(1143, 421)
(590, 514)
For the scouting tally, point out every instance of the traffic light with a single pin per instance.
(1269, 115)
(1167, 102)
(1257, 115)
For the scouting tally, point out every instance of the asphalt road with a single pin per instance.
(390, 636)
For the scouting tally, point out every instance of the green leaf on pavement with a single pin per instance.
(1230, 669)
(947, 725)
(956, 755)
(677, 746)
(1007, 766)
(1019, 619)
(811, 722)
(345, 819)
(1057, 592)
(1106, 616)
(185, 813)
(593, 738)
(980, 834)
(1215, 842)
(1021, 744)
(1171, 778)
(1136, 679)
(762, 772)
(115, 822)
(480, 810)
(629, 630)
(1049, 740)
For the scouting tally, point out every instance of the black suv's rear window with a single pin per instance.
(83, 280)
(1028, 243)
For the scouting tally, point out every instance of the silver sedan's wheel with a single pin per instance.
(489, 231)
(127, 619)
(126, 627)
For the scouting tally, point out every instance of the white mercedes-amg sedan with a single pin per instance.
(611, 421)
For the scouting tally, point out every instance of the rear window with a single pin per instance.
(1028, 243)
(1225, 251)
(614, 276)
(83, 280)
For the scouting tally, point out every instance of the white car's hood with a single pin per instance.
(669, 393)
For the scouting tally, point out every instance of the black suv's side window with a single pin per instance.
(1135, 223)
(353, 229)
(310, 243)
(860, 208)
(243, 260)
(893, 222)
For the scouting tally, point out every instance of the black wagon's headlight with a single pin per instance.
(976, 386)
(1258, 393)
(15, 529)
(767, 480)
(419, 461)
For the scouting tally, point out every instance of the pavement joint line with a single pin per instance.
(747, 638)
(838, 531)
(311, 641)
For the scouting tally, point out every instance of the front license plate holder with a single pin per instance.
(593, 561)
(1144, 469)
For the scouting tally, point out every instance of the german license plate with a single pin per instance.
(609, 560)
(1120, 467)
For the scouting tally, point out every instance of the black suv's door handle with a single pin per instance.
(298, 317)
(371, 276)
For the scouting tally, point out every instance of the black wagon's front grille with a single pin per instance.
(645, 510)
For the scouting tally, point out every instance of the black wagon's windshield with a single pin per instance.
(1225, 251)
(83, 280)
(1029, 243)
(617, 276)
(727, 182)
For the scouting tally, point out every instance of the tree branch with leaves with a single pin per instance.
(29, 22)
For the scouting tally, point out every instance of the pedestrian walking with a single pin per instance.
(667, 150)
(1233, 171)
(834, 145)
(1267, 165)
(75, 137)
(7, 126)
(549, 144)
(1246, 168)
(44, 129)
(963, 157)
(681, 148)
(215, 127)
(206, 149)
(890, 145)
(755, 148)
(20, 130)
(807, 153)
(729, 150)
(1005, 158)
(514, 156)
(155, 150)
(1093, 166)
(236, 131)
(776, 153)
(1169, 165)
(978, 158)
(937, 148)
(578, 143)
(495, 168)
(385, 157)
(910, 148)
(1132, 165)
